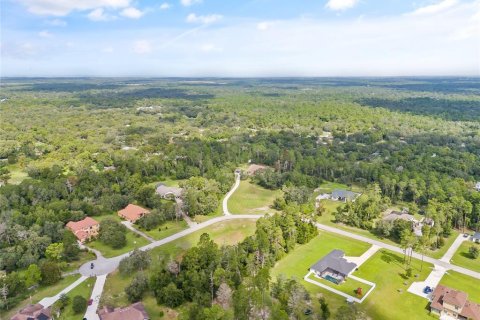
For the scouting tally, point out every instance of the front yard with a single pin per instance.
(463, 258)
(166, 229)
(133, 241)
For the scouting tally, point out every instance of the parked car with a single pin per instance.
(90, 301)
(92, 265)
(427, 290)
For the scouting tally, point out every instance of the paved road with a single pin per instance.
(453, 248)
(91, 313)
(393, 248)
(129, 225)
(48, 301)
(229, 194)
(107, 265)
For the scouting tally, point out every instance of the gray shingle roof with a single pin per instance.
(345, 194)
(334, 260)
(476, 235)
(163, 190)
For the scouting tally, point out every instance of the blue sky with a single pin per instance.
(239, 37)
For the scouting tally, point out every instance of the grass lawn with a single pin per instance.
(250, 198)
(228, 232)
(133, 241)
(165, 230)
(40, 293)
(297, 262)
(349, 286)
(328, 187)
(463, 259)
(464, 283)
(84, 290)
(168, 182)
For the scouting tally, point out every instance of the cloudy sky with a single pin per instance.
(239, 37)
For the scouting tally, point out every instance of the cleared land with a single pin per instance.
(165, 230)
(463, 258)
(385, 268)
(250, 198)
(228, 232)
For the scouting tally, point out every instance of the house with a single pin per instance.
(33, 312)
(135, 311)
(132, 213)
(168, 192)
(447, 302)
(404, 215)
(333, 267)
(476, 237)
(85, 229)
(344, 195)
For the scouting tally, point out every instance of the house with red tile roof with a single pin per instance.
(453, 303)
(85, 229)
(135, 311)
(132, 213)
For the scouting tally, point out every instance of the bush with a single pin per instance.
(79, 304)
(113, 233)
(51, 273)
(474, 252)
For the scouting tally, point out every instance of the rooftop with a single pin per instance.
(76, 226)
(344, 194)
(133, 212)
(466, 308)
(164, 190)
(135, 311)
(334, 260)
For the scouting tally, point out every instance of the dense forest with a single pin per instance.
(408, 141)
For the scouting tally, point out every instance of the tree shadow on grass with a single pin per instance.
(467, 255)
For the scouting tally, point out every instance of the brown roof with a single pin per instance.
(133, 212)
(471, 311)
(135, 311)
(82, 224)
(32, 311)
(467, 308)
(456, 298)
(253, 168)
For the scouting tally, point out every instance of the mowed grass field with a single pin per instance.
(85, 290)
(165, 230)
(462, 257)
(250, 198)
(464, 283)
(384, 268)
(228, 233)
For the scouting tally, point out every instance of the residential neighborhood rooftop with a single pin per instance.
(77, 226)
(458, 299)
(33, 312)
(133, 212)
(344, 194)
(164, 190)
(135, 311)
(334, 260)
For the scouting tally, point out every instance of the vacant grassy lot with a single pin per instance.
(252, 199)
(40, 293)
(463, 259)
(464, 283)
(133, 241)
(84, 290)
(349, 286)
(165, 230)
(17, 174)
(228, 232)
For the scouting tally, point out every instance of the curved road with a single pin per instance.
(229, 194)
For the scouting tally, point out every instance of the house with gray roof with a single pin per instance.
(344, 195)
(168, 192)
(333, 267)
(476, 237)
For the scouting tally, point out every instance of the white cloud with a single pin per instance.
(142, 47)
(211, 18)
(64, 7)
(45, 34)
(132, 13)
(435, 8)
(339, 5)
(57, 23)
(208, 47)
(165, 6)
(99, 15)
(264, 25)
(188, 3)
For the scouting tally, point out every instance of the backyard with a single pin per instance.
(349, 286)
(464, 283)
(250, 198)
